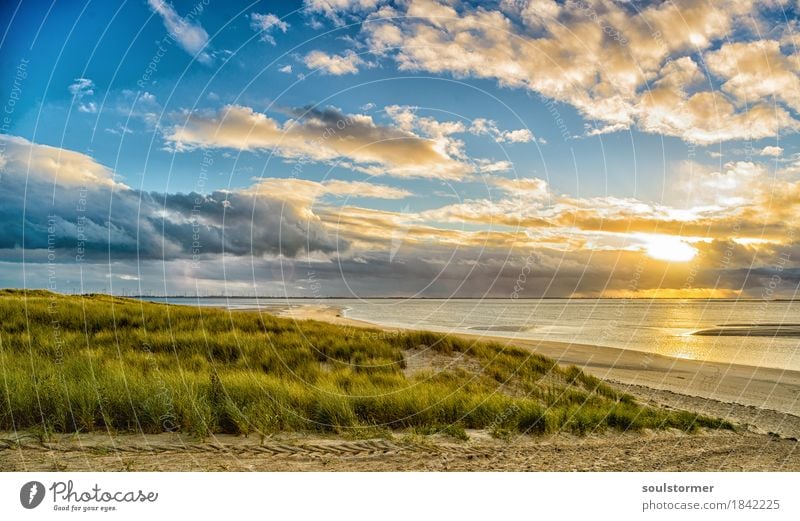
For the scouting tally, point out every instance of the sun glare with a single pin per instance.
(669, 248)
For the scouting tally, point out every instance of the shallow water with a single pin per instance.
(656, 326)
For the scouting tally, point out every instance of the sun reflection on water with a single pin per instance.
(681, 322)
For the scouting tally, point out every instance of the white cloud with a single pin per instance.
(119, 129)
(89, 107)
(482, 126)
(772, 151)
(333, 64)
(189, 34)
(486, 166)
(83, 88)
(522, 135)
(286, 69)
(755, 71)
(141, 106)
(265, 23)
(335, 10)
(619, 71)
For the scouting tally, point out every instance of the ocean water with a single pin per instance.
(758, 333)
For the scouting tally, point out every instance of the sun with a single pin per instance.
(669, 248)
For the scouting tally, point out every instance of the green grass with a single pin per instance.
(72, 364)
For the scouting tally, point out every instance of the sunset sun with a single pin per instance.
(669, 248)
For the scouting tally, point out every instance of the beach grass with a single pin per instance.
(88, 363)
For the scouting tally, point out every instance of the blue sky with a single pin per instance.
(657, 122)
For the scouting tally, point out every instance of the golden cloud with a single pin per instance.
(322, 135)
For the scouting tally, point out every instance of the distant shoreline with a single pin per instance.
(383, 297)
(143, 297)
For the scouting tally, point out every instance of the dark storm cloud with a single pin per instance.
(120, 223)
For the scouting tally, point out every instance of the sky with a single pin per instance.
(420, 148)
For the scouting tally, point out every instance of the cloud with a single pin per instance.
(189, 34)
(619, 70)
(488, 127)
(522, 135)
(278, 230)
(753, 71)
(141, 106)
(741, 200)
(286, 69)
(321, 135)
(53, 166)
(333, 64)
(307, 192)
(64, 200)
(528, 188)
(336, 10)
(709, 117)
(771, 151)
(119, 129)
(265, 23)
(83, 88)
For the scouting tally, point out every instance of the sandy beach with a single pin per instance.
(765, 400)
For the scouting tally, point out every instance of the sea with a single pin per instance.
(761, 333)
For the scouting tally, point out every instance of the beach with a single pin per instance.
(765, 400)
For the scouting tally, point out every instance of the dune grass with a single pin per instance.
(86, 363)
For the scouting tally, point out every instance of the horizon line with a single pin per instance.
(385, 297)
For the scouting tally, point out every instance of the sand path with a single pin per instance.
(610, 451)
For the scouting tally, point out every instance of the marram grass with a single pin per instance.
(87, 363)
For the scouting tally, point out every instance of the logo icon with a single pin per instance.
(31, 494)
